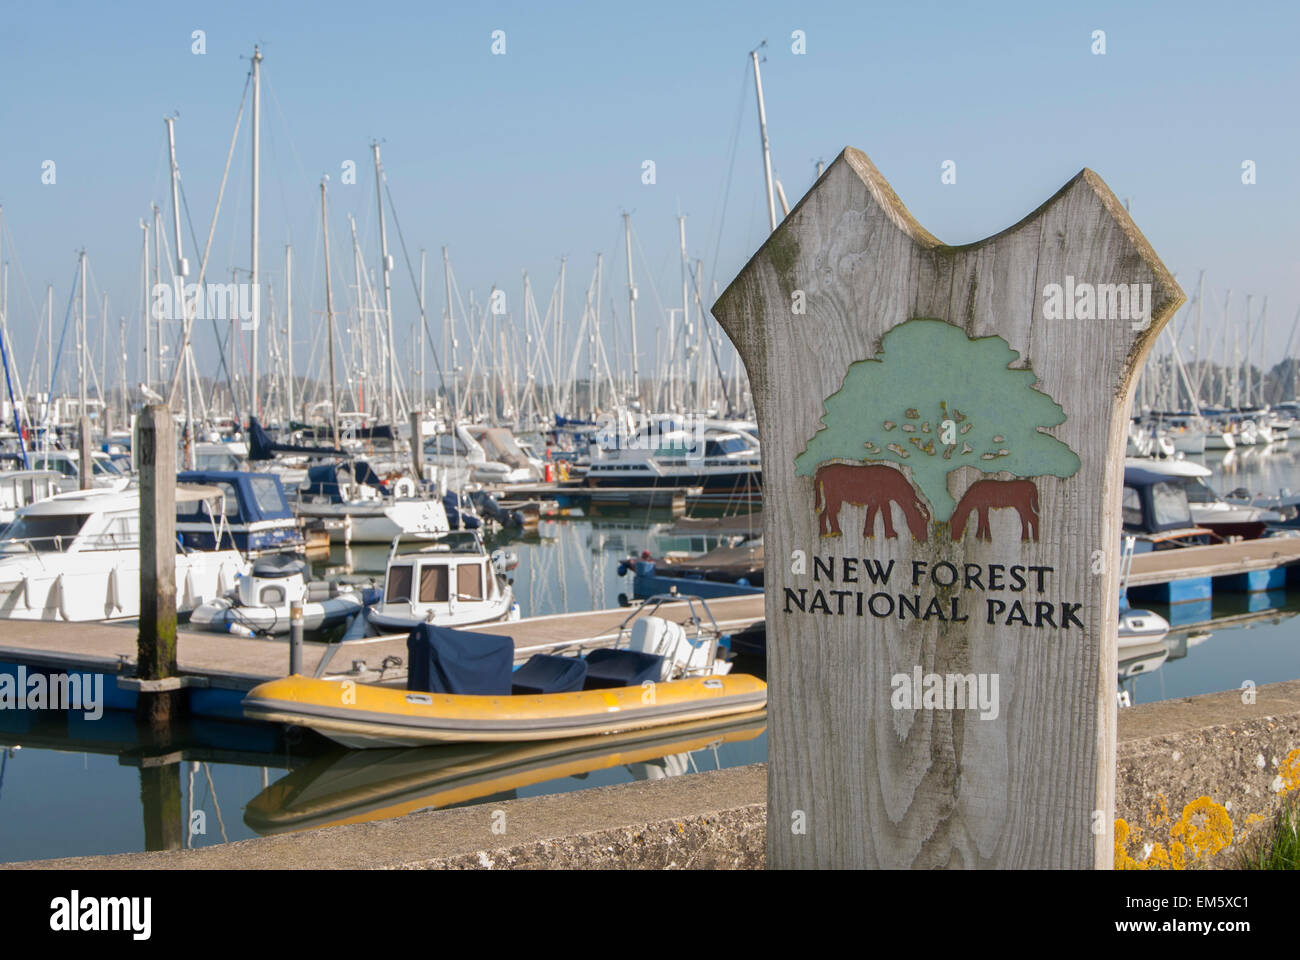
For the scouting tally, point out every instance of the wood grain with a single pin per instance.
(889, 788)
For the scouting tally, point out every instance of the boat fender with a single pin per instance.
(63, 598)
(191, 594)
(622, 569)
(114, 591)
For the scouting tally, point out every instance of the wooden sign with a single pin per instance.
(943, 436)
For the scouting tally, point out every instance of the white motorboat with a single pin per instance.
(358, 507)
(450, 581)
(1207, 508)
(76, 557)
(664, 453)
(261, 601)
(103, 474)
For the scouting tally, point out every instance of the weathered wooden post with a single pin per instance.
(943, 438)
(417, 447)
(156, 642)
(86, 465)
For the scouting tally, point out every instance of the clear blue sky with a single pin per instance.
(516, 160)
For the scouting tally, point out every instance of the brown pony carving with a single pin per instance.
(873, 486)
(986, 495)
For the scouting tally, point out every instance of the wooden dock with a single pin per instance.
(221, 661)
(1219, 560)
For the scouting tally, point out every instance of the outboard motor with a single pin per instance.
(488, 507)
(460, 515)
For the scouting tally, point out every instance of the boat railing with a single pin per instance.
(694, 621)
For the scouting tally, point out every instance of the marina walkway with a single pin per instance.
(224, 661)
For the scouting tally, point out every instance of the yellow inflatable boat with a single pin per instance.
(364, 715)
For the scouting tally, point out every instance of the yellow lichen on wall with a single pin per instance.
(1204, 829)
(1289, 772)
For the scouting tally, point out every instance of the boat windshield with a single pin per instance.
(46, 533)
(269, 494)
(1170, 503)
(1198, 491)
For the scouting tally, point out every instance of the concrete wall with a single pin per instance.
(1196, 777)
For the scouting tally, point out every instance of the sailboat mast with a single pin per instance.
(631, 305)
(154, 375)
(329, 312)
(767, 155)
(144, 292)
(254, 292)
(423, 344)
(81, 345)
(449, 335)
(288, 333)
(387, 263)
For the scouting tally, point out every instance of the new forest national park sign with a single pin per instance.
(943, 438)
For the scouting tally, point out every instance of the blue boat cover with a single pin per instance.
(622, 668)
(548, 673)
(443, 660)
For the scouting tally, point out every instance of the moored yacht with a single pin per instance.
(363, 507)
(663, 454)
(76, 557)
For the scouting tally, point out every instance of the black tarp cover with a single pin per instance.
(443, 660)
(261, 447)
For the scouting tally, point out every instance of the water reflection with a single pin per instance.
(1215, 645)
(354, 786)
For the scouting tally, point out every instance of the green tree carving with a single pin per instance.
(937, 400)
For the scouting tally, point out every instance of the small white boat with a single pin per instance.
(260, 603)
(449, 580)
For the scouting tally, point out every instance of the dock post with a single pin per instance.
(295, 637)
(156, 641)
(417, 447)
(85, 465)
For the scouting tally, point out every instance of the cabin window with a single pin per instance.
(268, 494)
(469, 581)
(123, 530)
(399, 585)
(1132, 508)
(51, 532)
(1170, 504)
(272, 596)
(433, 583)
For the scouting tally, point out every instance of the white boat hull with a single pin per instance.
(105, 585)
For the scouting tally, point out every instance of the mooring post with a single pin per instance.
(295, 637)
(86, 464)
(943, 446)
(417, 447)
(156, 643)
